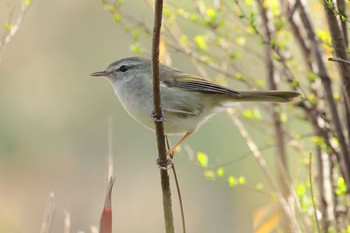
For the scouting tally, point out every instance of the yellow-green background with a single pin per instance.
(53, 134)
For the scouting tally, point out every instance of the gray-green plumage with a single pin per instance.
(187, 100)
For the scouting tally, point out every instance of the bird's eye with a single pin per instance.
(123, 68)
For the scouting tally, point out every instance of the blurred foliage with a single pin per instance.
(223, 40)
(226, 39)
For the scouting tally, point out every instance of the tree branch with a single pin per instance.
(158, 117)
(327, 86)
(340, 49)
(281, 158)
(13, 28)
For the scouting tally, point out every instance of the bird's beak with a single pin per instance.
(100, 73)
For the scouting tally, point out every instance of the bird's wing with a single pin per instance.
(194, 83)
(180, 111)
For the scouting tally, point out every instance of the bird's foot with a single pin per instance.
(158, 119)
(165, 164)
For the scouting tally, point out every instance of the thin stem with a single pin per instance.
(180, 200)
(340, 49)
(178, 189)
(48, 214)
(312, 194)
(14, 28)
(158, 118)
(262, 164)
(327, 86)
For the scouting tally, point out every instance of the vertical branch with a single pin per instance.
(288, 210)
(324, 203)
(327, 87)
(340, 49)
(282, 162)
(312, 195)
(13, 28)
(158, 117)
(342, 11)
(312, 114)
(48, 214)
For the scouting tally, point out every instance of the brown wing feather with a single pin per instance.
(193, 83)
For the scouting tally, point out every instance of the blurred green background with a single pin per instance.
(54, 134)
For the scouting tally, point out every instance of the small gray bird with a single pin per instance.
(187, 100)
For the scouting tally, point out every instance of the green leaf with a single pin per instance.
(260, 82)
(184, 40)
(335, 142)
(311, 76)
(211, 16)
(136, 48)
(8, 26)
(116, 18)
(210, 12)
(312, 98)
(240, 41)
(336, 96)
(181, 12)
(252, 114)
(341, 190)
(167, 12)
(26, 2)
(202, 158)
(209, 174)
(241, 180)
(324, 36)
(111, 7)
(136, 34)
(248, 2)
(201, 42)
(220, 172)
(295, 83)
(193, 17)
(300, 189)
(276, 57)
(234, 56)
(283, 117)
(231, 181)
(259, 186)
(239, 76)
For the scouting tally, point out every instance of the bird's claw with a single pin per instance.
(165, 164)
(157, 118)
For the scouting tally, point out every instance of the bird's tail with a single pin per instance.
(267, 96)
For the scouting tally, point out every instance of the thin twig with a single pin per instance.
(338, 59)
(327, 86)
(110, 170)
(340, 49)
(178, 190)
(312, 194)
(262, 164)
(158, 118)
(67, 222)
(342, 15)
(180, 200)
(48, 214)
(281, 155)
(14, 28)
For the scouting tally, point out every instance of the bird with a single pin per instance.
(187, 100)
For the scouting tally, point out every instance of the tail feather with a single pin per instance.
(267, 96)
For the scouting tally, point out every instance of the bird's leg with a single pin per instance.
(170, 152)
(168, 146)
(168, 163)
